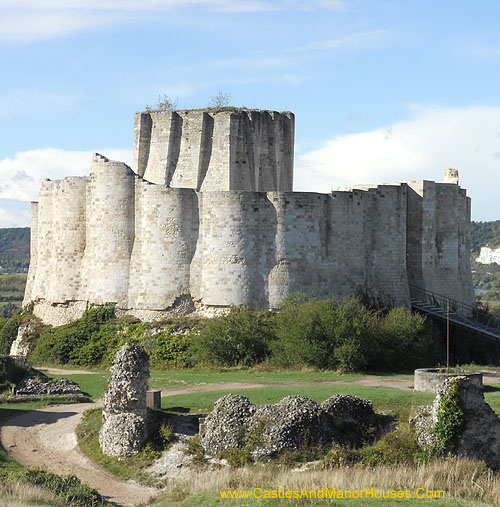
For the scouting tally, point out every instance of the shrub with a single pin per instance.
(399, 447)
(12, 370)
(69, 488)
(82, 342)
(405, 341)
(240, 337)
(171, 349)
(324, 334)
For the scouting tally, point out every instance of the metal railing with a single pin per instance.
(464, 310)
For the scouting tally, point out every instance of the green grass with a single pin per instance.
(385, 399)
(178, 378)
(93, 384)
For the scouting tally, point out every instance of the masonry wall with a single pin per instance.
(68, 233)
(216, 150)
(438, 240)
(209, 220)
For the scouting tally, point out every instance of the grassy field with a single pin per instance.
(462, 480)
(317, 385)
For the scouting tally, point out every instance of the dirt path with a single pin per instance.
(61, 371)
(46, 438)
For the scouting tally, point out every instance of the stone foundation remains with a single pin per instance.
(431, 379)
(208, 219)
(478, 438)
(124, 414)
(295, 421)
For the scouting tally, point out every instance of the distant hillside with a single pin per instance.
(484, 233)
(14, 250)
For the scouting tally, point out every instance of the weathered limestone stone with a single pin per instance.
(430, 379)
(31, 386)
(293, 422)
(451, 176)
(479, 438)
(124, 414)
(344, 407)
(23, 343)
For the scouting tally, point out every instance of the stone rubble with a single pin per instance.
(291, 423)
(125, 414)
(31, 386)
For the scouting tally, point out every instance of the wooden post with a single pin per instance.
(447, 336)
(153, 399)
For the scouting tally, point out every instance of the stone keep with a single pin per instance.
(208, 219)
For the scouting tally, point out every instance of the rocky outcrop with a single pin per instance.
(293, 422)
(460, 422)
(125, 415)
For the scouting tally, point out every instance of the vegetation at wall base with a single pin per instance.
(306, 333)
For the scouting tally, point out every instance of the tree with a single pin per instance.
(222, 99)
(164, 103)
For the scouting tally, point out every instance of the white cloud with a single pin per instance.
(19, 26)
(20, 176)
(467, 139)
(138, 5)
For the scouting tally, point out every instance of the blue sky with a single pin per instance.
(383, 91)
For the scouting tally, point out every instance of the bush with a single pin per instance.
(324, 334)
(13, 370)
(171, 350)
(242, 337)
(405, 341)
(82, 342)
(399, 447)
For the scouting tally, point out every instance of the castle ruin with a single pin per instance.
(208, 219)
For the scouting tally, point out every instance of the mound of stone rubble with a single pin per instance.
(293, 422)
(32, 386)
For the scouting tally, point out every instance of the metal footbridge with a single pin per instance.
(461, 314)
